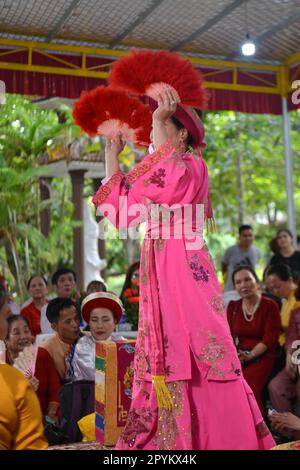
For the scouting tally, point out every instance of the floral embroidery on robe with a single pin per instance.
(167, 431)
(200, 273)
(138, 422)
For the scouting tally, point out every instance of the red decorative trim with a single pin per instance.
(107, 188)
(143, 167)
(150, 161)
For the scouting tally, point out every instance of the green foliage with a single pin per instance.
(259, 139)
(26, 132)
(217, 244)
(116, 262)
(132, 314)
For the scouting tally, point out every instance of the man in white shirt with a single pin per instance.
(244, 253)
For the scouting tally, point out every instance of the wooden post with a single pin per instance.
(77, 179)
(45, 192)
(101, 242)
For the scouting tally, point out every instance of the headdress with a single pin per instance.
(102, 300)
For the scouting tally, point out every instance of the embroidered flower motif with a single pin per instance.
(213, 351)
(156, 178)
(150, 161)
(262, 430)
(217, 304)
(235, 370)
(144, 264)
(167, 430)
(143, 167)
(137, 423)
(200, 273)
(139, 357)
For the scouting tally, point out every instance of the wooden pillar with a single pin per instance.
(77, 179)
(101, 243)
(45, 192)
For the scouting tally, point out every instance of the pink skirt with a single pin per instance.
(206, 415)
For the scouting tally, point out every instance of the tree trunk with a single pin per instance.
(13, 260)
(240, 188)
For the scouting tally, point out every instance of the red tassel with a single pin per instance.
(113, 110)
(140, 70)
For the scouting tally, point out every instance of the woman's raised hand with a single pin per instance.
(114, 146)
(167, 103)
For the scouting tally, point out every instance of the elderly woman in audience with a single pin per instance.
(37, 289)
(21, 425)
(254, 322)
(45, 381)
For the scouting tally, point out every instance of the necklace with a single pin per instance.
(249, 314)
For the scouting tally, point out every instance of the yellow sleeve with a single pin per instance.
(29, 430)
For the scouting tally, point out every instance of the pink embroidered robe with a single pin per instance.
(181, 307)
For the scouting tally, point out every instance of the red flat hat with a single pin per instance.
(102, 300)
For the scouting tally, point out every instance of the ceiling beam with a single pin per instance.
(293, 59)
(115, 53)
(62, 20)
(271, 32)
(203, 29)
(141, 17)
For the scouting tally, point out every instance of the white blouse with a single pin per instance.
(84, 357)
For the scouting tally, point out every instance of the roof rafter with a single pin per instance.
(62, 20)
(266, 35)
(208, 25)
(134, 24)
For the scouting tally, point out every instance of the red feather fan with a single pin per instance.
(104, 111)
(147, 73)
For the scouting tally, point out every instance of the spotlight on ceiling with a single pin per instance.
(248, 47)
